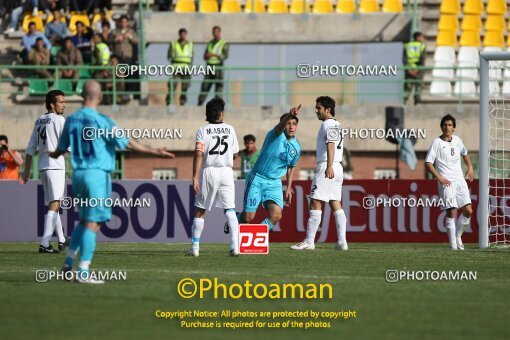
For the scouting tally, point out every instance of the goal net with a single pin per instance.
(494, 182)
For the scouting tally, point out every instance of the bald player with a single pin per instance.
(93, 160)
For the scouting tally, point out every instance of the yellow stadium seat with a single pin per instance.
(346, 6)
(446, 38)
(473, 7)
(277, 6)
(508, 41)
(208, 6)
(230, 6)
(494, 39)
(471, 23)
(75, 18)
(448, 22)
(392, 6)
(496, 7)
(28, 18)
(297, 6)
(50, 19)
(450, 7)
(470, 38)
(185, 6)
(97, 17)
(259, 5)
(322, 6)
(368, 6)
(495, 23)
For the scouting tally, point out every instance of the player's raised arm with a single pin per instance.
(283, 122)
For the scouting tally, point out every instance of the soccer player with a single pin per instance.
(443, 161)
(47, 130)
(215, 149)
(328, 179)
(278, 156)
(93, 159)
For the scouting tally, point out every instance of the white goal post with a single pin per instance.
(494, 149)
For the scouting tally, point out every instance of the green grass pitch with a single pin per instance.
(125, 309)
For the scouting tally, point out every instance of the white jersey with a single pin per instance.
(330, 132)
(218, 142)
(47, 130)
(446, 157)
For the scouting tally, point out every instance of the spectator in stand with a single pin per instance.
(249, 155)
(69, 55)
(414, 57)
(107, 34)
(10, 160)
(39, 55)
(16, 8)
(81, 6)
(103, 5)
(82, 42)
(163, 5)
(126, 41)
(101, 57)
(57, 29)
(119, 83)
(29, 40)
(105, 18)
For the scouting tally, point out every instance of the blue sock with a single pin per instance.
(88, 245)
(268, 222)
(74, 245)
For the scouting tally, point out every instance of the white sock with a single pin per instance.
(462, 224)
(198, 226)
(84, 265)
(450, 230)
(234, 229)
(313, 224)
(58, 227)
(49, 228)
(341, 226)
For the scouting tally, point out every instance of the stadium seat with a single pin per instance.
(496, 7)
(259, 5)
(441, 88)
(323, 7)
(50, 19)
(450, 7)
(495, 73)
(471, 23)
(494, 38)
(368, 6)
(494, 89)
(38, 87)
(392, 6)
(448, 22)
(85, 73)
(506, 74)
(28, 18)
(444, 53)
(443, 73)
(446, 38)
(80, 85)
(495, 23)
(185, 6)
(297, 6)
(208, 6)
(506, 88)
(346, 6)
(277, 6)
(469, 54)
(470, 38)
(473, 7)
(465, 88)
(64, 85)
(75, 18)
(230, 6)
(469, 73)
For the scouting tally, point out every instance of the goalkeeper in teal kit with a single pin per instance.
(278, 157)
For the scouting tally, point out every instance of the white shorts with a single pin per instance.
(327, 189)
(216, 184)
(454, 196)
(54, 182)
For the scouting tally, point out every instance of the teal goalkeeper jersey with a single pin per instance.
(89, 134)
(277, 154)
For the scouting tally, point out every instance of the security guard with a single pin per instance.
(215, 54)
(101, 51)
(414, 56)
(180, 55)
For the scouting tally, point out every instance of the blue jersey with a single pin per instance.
(87, 151)
(277, 154)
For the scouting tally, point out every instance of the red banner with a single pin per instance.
(413, 221)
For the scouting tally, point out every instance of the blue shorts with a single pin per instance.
(93, 183)
(259, 189)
